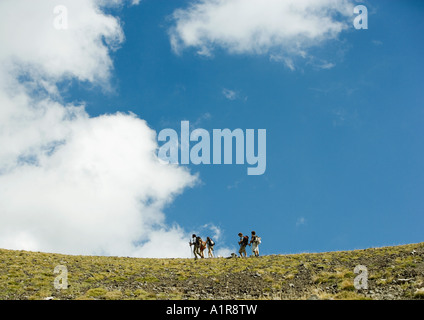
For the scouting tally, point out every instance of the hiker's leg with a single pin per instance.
(254, 248)
(243, 251)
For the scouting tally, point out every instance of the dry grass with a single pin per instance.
(29, 275)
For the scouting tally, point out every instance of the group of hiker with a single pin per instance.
(199, 245)
(255, 241)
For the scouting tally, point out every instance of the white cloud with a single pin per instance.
(69, 182)
(233, 95)
(300, 221)
(377, 42)
(214, 232)
(229, 94)
(280, 58)
(326, 65)
(282, 28)
(38, 50)
(343, 116)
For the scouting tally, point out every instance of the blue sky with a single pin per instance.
(344, 127)
(344, 146)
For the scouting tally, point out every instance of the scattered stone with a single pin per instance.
(419, 293)
(404, 280)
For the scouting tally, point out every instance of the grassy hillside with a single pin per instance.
(394, 273)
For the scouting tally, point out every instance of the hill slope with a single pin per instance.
(393, 273)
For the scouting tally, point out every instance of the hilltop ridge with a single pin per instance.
(393, 273)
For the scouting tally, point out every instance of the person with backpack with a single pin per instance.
(255, 241)
(210, 243)
(196, 246)
(244, 242)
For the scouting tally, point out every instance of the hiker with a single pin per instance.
(255, 241)
(196, 246)
(210, 243)
(199, 246)
(244, 241)
(202, 247)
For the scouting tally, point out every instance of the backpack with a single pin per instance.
(211, 242)
(258, 240)
(245, 240)
(198, 240)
